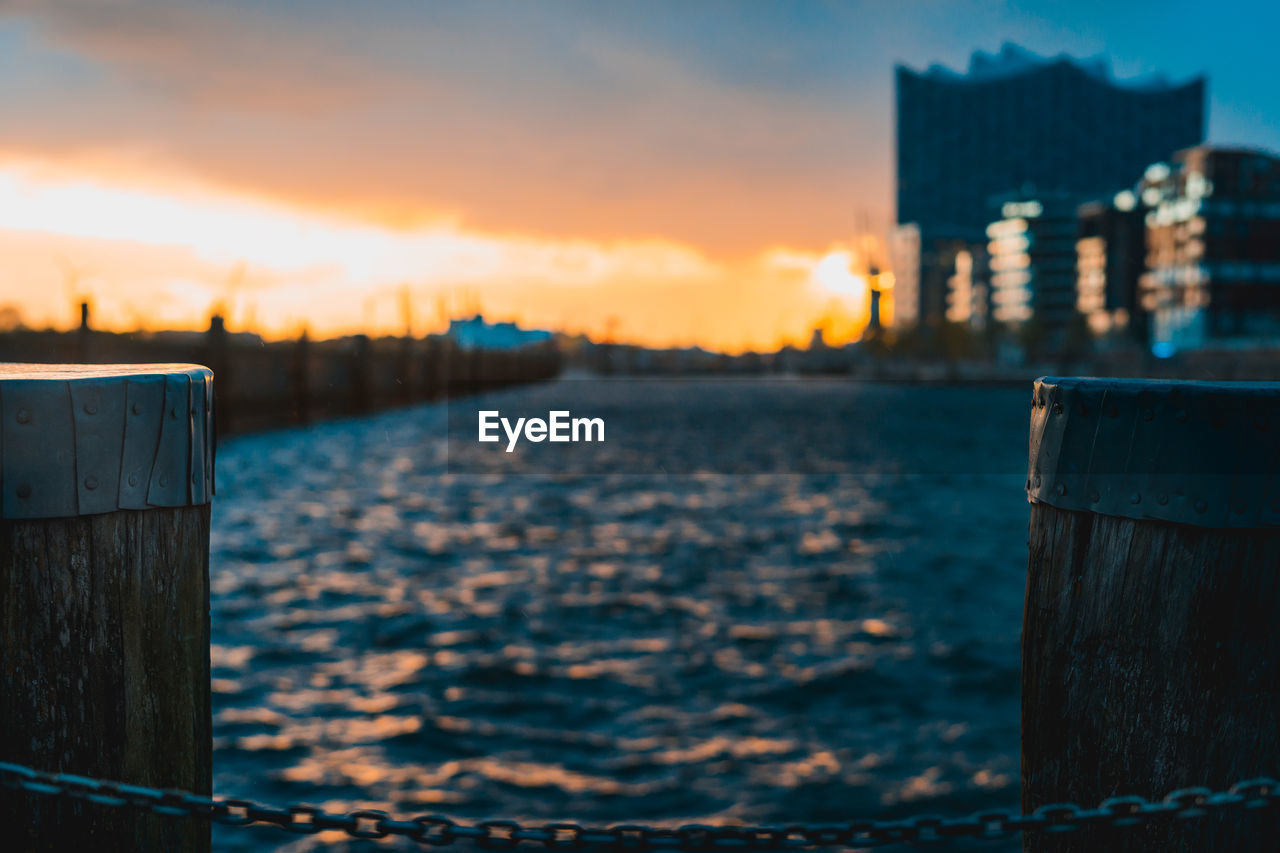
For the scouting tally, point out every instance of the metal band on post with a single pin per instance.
(1201, 453)
(106, 476)
(85, 439)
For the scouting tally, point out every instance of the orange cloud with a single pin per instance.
(507, 122)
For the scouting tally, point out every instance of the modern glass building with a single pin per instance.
(967, 298)
(1110, 259)
(1016, 122)
(1033, 265)
(1213, 249)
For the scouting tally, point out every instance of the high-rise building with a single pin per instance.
(904, 258)
(967, 288)
(1020, 123)
(1213, 249)
(1110, 259)
(1033, 265)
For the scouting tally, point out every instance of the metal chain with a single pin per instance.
(437, 831)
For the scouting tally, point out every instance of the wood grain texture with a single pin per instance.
(1150, 662)
(104, 671)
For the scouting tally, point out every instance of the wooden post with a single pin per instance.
(218, 356)
(406, 376)
(104, 595)
(428, 367)
(459, 365)
(84, 336)
(477, 371)
(301, 379)
(1150, 648)
(359, 398)
(446, 365)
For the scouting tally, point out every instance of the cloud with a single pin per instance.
(566, 119)
(210, 56)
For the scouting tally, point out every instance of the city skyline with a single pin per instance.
(691, 178)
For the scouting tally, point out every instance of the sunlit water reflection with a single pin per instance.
(696, 647)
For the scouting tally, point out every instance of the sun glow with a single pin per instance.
(847, 294)
(834, 275)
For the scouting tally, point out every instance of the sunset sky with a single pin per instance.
(672, 172)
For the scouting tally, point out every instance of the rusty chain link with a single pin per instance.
(437, 831)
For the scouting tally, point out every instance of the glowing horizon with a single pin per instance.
(149, 259)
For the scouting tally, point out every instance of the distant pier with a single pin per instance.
(265, 384)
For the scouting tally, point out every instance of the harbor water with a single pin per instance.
(679, 627)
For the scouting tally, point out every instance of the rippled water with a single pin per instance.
(688, 647)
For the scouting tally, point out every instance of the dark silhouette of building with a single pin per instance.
(1020, 123)
(1213, 249)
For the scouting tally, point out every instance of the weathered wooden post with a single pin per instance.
(1150, 647)
(106, 477)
